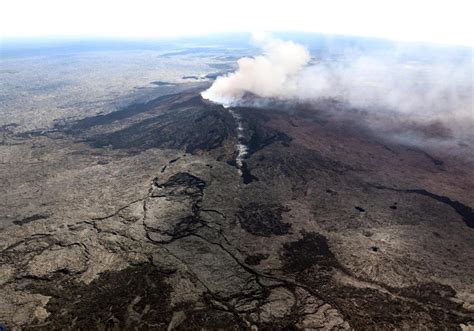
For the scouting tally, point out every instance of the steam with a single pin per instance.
(415, 88)
(275, 73)
(241, 149)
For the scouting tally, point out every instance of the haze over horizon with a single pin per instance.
(442, 22)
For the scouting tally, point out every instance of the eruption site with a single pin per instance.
(402, 92)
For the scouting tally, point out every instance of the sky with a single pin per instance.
(437, 21)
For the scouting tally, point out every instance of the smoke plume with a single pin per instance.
(275, 73)
(420, 88)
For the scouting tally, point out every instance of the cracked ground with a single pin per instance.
(140, 219)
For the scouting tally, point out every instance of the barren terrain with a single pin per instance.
(141, 218)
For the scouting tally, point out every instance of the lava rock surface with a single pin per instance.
(140, 219)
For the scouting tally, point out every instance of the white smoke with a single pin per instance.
(419, 88)
(275, 73)
(383, 82)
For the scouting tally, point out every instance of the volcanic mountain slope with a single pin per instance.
(141, 219)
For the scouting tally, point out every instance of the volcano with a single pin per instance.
(178, 213)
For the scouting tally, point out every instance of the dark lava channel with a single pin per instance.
(466, 212)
